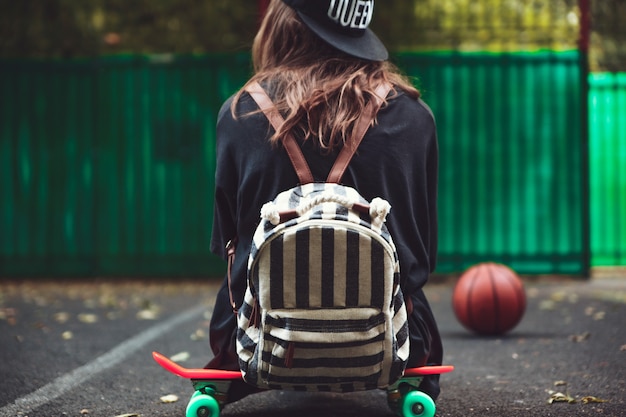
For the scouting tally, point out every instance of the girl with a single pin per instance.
(321, 64)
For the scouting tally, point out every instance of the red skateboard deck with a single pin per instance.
(195, 373)
(428, 370)
(212, 385)
(217, 374)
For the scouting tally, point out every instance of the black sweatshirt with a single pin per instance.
(397, 160)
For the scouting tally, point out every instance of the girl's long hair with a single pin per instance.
(320, 90)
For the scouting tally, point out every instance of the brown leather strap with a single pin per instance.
(298, 161)
(364, 122)
(294, 152)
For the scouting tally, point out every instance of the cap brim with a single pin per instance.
(367, 46)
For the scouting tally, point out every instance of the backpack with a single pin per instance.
(323, 309)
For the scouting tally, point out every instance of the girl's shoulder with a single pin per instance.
(404, 106)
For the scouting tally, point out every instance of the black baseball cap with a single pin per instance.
(343, 24)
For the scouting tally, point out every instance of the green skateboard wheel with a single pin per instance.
(416, 404)
(202, 405)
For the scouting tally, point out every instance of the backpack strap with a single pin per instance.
(363, 123)
(265, 103)
(296, 156)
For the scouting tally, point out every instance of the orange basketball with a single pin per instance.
(489, 299)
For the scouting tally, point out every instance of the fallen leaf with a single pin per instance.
(67, 335)
(167, 399)
(61, 317)
(559, 397)
(88, 318)
(547, 305)
(39, 325)
(599, 315)
(198, 335)
(180, 357)
(147, 315)
(572, 298)
(622, 348)
(9, 314)
(577, 338)
(129, 415)
(84, 411)
(559, 383)
(589, 399)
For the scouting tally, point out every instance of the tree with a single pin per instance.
(608, 49)
(497, 25)
(69, 28)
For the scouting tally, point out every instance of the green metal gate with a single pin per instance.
(107, 166)
(511, 158)
(607, 138)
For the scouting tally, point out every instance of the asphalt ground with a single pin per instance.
(83, 348)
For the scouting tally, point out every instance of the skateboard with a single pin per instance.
(211, 388)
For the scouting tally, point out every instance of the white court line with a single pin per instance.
(113, 357)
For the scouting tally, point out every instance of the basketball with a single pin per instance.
(489, 299)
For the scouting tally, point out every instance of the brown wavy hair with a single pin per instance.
(320, 90)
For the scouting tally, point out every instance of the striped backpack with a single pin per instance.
(323, 309)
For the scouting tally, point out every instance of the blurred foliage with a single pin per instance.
(72, 28)
(496, 25)
(608, 37)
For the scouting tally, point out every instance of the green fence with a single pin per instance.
(106, 167)
(511, 158)
(607, 136)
